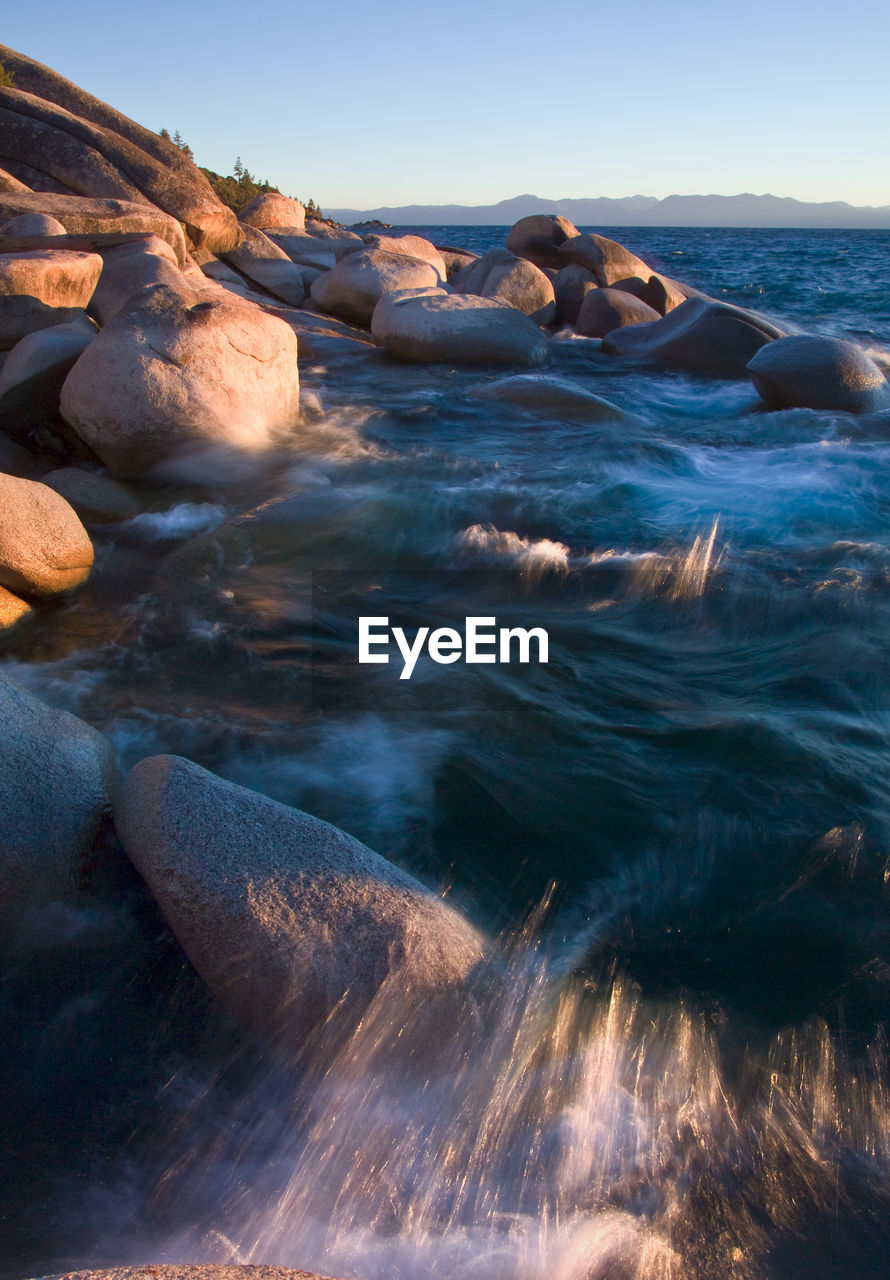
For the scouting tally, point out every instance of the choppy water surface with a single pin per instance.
(676, 1067)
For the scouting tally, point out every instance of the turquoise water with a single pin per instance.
(688, 1079)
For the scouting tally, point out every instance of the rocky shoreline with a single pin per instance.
(142, 323)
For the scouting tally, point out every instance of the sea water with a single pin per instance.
(677, 831)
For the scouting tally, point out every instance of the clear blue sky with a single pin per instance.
(361, 104)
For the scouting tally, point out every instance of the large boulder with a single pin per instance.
(539, 237)
(814, 372)
(411, 247)
(501, 274)
(84, 217)
(434, 326)
(606, 309)
(159, 170)
(35, 369)
(572, 283)
(44, 549)
(271, 209)
(266, 264)
(700, 335)
(306, 250)
(282, 915)
(43, 288)
(57, 777)
(127, 268)
(607, 259)
(182, 366)
(352, 289)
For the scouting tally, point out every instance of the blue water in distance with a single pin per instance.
(701, 770)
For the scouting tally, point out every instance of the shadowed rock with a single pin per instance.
(813, 372)
(32, 224)
(182, 366)
(9, 182)
(354, 287)
(129, 268)
(283, 916)
(57, 776)
(44, 549)
(607, 259)
(37, 366)
(43, 288)
(501, 274)
(538, 238)
(411, 247)
(187, 1271)
(434, 326)
(700, 335)
(97, 499)
(268, 265)
(572, 284)
(606, 309)
(535, 391)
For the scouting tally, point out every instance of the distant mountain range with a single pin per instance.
(634, 211)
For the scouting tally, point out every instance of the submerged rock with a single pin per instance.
(181, 366)
(537, 391)
(814, 372)
(436, 326)
(501, 274)
(283, 916)
(700, 335)
(44, 549)
(354, 287)
(97, 499)
(57, 777)
(606, 309)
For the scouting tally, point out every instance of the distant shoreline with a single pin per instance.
(770, 213)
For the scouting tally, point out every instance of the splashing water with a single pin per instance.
(554, 1129)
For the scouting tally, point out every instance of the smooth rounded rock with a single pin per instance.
(271, 209)
(352, 289)
(541, 392)
(129, 268)
(263, 261)
(607, 259)
(538, 238)
(700, 335)
(35, 369)
(82, 216)
(606, 309)
(97, 499)
(57, 777)
(44, 549)
(814, 372)
(32, 224)
(283, 916)
(411, 247)
(501, 274)
(434, 326)
(572, 284)
(178, 367)
(306, 250)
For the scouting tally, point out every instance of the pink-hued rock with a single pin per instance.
(435, 326)
(501, 274)
(271, 209)
(181, 366)
(352, 289)
(607, 259)
(538, 238)
(44, 549)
